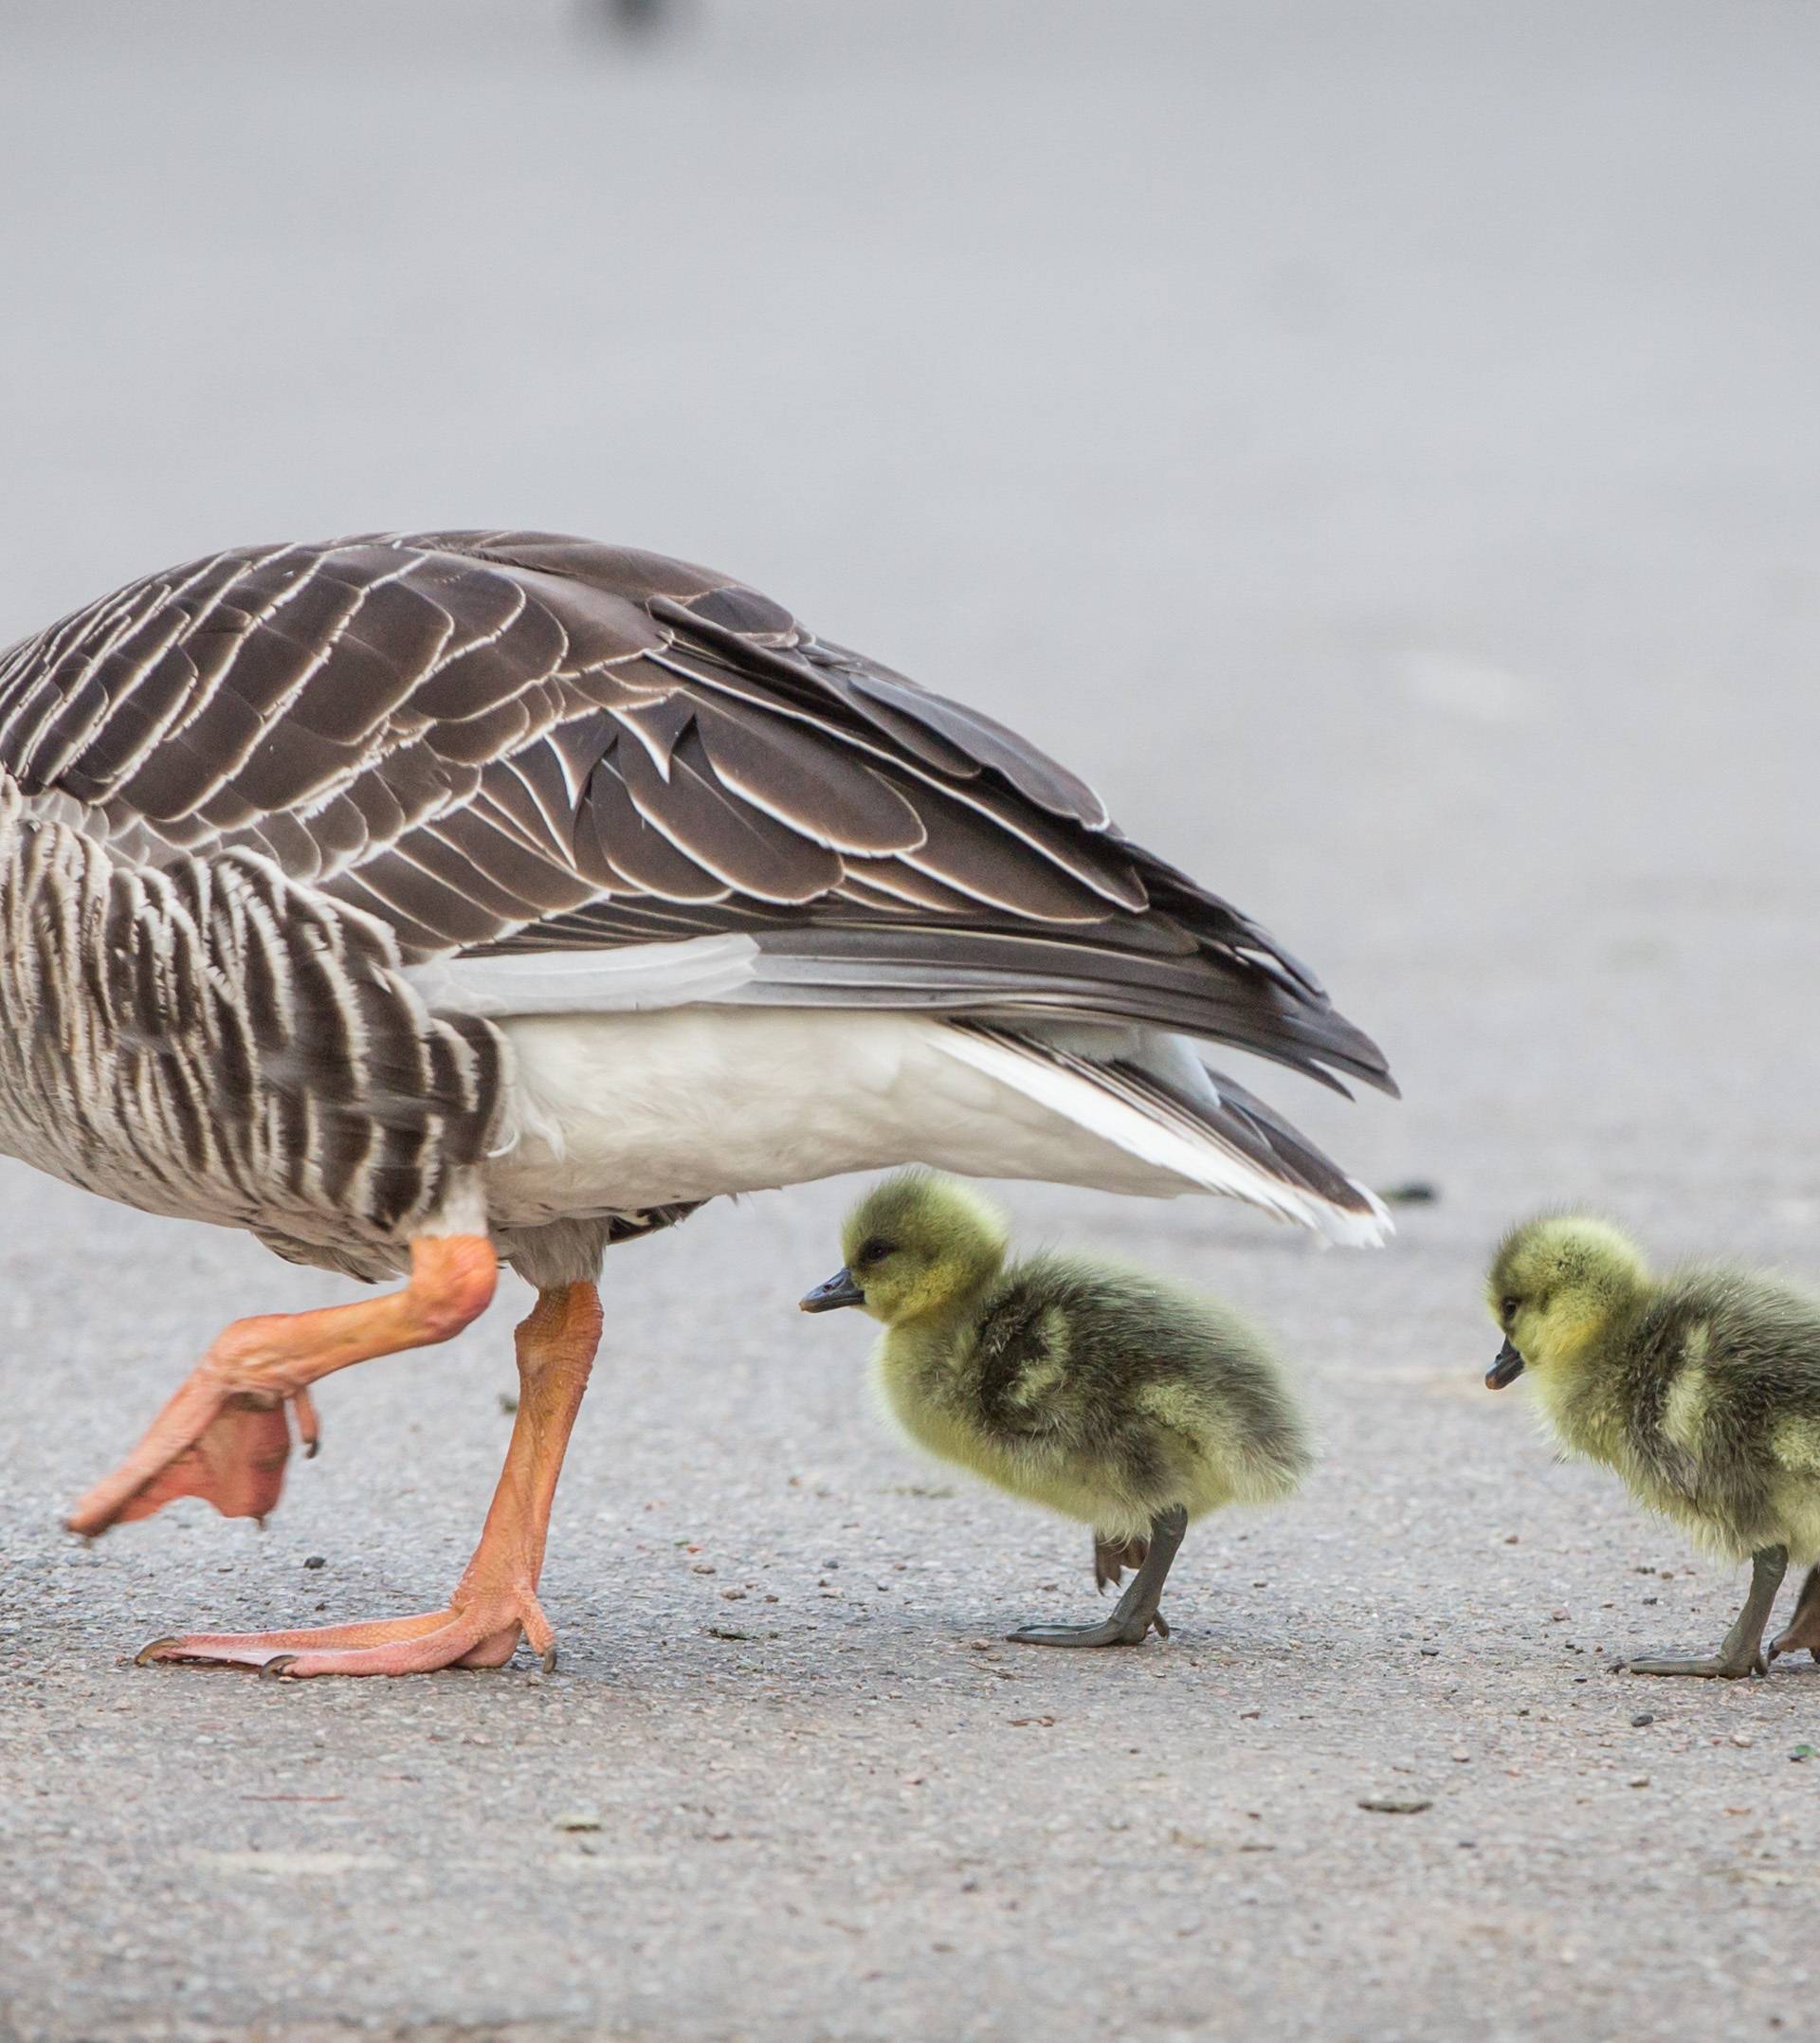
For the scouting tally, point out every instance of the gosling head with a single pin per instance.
(916, 1246)
(1554, 1284)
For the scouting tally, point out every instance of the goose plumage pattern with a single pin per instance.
(417, 899)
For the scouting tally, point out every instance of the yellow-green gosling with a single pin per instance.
(1104, 1393)
(1701, 1388)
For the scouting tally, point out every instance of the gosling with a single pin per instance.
(1103, 1394)
(1702, 1390)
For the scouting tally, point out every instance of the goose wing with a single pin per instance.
(523, 754)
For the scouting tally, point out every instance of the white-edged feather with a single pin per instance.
(1201, 1158)
(626, 980)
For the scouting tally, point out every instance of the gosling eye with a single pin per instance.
(1508, 1308)
(875, 1251)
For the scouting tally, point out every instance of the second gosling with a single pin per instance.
(1701, 1388)
(1104, 1393)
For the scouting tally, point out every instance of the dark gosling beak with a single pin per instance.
(1502, 1374)
(840, 1290)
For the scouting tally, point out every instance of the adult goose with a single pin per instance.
(423, 902)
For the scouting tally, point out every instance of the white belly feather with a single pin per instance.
(611, 1112)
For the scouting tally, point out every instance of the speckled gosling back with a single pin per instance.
(1101, 1393)
(1701, 1388)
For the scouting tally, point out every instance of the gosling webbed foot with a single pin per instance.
(1111, 1558)
(1134, 1616)
(1742, 1653)
(1803, 1628)
(1108, 1633)
(1702, 1667)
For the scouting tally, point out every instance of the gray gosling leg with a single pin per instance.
(1742, 1653)
(1135, 1614)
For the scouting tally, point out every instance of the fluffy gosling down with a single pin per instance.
(1701, 1388)
(1104, 1393)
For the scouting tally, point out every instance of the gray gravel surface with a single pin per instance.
(1379, 443)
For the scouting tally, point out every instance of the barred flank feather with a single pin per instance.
(208, 1039)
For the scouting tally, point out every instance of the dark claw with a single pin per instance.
(276, 1667)
(148, 1653)
(550, 1660)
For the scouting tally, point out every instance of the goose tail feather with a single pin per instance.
(1148, 1093)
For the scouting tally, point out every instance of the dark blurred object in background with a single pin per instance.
(628, 18)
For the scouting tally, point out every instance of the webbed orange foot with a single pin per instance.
(227, 1447)
(484, 1632)
(224, 1435)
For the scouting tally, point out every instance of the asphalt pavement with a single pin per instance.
(1379, 445)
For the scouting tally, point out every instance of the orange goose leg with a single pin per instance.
(224, 1436)
(496, 1600)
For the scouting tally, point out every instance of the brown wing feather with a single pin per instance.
(521, 741)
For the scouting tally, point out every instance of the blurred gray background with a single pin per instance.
(1379, 445)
